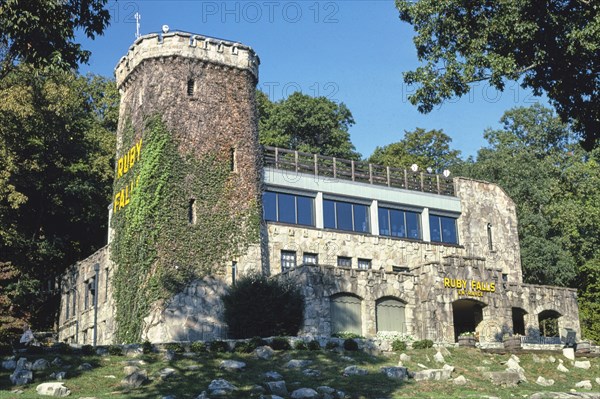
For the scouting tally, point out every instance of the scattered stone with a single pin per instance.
(311, 372)
(10, 364)
(486, 362)
(513, 365)
(221, 387)
(537, 359)
(598, 380)
(460, 380)
(273, 375)
(169, 355)
(166, 373)
(395, 373)
(569, 353)
(264, 352)
(422, 366)
(585, 384)
(326, 390)
(193, 367)
(544, 382)
(168, 397)
(305, 393)
(202, 395)
(52, 389)
(444, 351)
(60, 375)
(551, 359)
(439, 358)
(135, 379)
(560, 395)
(354, 370)
(21, 377)
(277, 388)
(298, 364)
(257, 390)
(482, 368)
(562, 368)
(85, 367)
(434, 374)
(583, 364)
(57, 362)
(23, 364)
(504, 378)
(232, 365)
(404, 357)
(130, 369)
(110, 376)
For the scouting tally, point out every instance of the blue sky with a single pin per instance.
(350, 51)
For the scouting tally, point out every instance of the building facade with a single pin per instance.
(374, 249)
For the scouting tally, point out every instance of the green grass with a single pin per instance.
(190, 383)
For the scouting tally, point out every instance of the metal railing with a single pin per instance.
(358, 171)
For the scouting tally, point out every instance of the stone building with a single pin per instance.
(374, 249)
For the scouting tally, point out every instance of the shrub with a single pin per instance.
(87, 350)
(350, 345)
(218, 346)
(300, 346)
(243, 347)
(257, 341)
(115, 350)
(398, 345)
(346, 335)
(259, 306)
(423, 344)
(314, 345)
(198, 347)
(62, 348)
(280, 344)
(147, 347)
(175, 347)
(331, 345)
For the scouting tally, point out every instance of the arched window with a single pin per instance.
(548, 322)
(346, 314)
(390, 315)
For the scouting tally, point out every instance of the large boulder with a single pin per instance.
(583, 364)
(586, 384)
(277, 388)
(297, 364)
(569, 353)
(9, 364)
(221, 387)
(232, 365)
(40, 364)
(135, 379)
(21, 377)
(544, 382)
(264, 352)
(354, 370)
(504, 378)
(52, 389)
(395, 373)
(305, 393)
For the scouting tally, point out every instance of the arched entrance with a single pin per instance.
(518, 319)
(467, 314)
(346, 314)
(390, 315)
(548, 323)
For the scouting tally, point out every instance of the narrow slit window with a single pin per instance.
(489, 234)
(192, 211)
(232, 160)
(190, 87)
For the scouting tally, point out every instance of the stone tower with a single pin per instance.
(186, 205)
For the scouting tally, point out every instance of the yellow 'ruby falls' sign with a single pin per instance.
(469, 287)
(125, 165)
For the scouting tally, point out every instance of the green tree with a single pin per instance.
(56, 151)
(552, 47)
(42, 32)
(308, 124)
(424, 148)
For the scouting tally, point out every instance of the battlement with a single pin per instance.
(186, 45)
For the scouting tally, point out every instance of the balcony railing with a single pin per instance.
(363, 172)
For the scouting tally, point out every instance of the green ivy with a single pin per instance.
(157, 250)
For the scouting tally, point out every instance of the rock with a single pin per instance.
(193, 367)
(460, 380)
(326, 390)
(169, 355)
(23, 364)
(257, 390)
(221, 387)
(404, 357)
(305, 393)
(311, 373)
(598, 380)
(202, 395)
(444, 351)
(586, 384)
(482, 368)
(439, 358)
(298, 364)
(513, 365)
(21, 377)
(560, 395)
(60, 375)
(277, 388)
(551, 359)
(562, 368)
(354, 370)
(569, 353)
(421, 365)
(168, 397)
(52, 389)
(273, 375)
(135, 379)
(504, 378)
(584, 364)
(537, 359)
(166, 373)
(434, 374)
(232, 365)
(395, 373)
(544, 382)
(85, 367)
(10, 364)
(57, 362)
(264, 352)
(347, 358)
(130, 369)
(40, 364)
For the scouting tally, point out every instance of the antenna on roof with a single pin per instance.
(137, 17)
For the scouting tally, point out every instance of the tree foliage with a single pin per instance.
(307, 124)
(551, 47)
(424, 148)
(42, 32)
(56, 151)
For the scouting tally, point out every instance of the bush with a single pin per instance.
(62, 348)
(243, 347)
(300, 346)
(198, 347)
(87, 350)
(147, 347)
(423, 344)
(259, 306)
(218, 346)
(346, 335)
(350, 345)
(314, 345)
(175, 347)
(398, 346)
(280, 344)
(115, 350)
(257, 341)
(331, 345)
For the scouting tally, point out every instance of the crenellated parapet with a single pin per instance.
(186, 45)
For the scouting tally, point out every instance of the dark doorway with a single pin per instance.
(518, 319)
(467, 315)
(548, 320)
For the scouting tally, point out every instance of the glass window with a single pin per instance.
(364, 264)
(443, 229)
(288, 208)
(398, 223)
(310, 259)
(346, 216)
(288, 260)
(344, 261)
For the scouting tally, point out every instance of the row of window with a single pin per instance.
(289, 260)
(348, 216)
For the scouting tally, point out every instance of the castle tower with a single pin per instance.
(186, 203)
